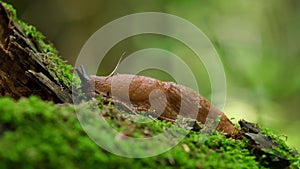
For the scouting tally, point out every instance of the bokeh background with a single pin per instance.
(258, 43)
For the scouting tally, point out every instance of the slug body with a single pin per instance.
(169, 98)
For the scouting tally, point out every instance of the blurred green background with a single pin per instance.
(257, 41)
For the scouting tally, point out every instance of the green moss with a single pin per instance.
(48, 54)
(38, 134)
(291, 154)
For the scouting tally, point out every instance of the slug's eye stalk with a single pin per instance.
(86, 88)
(82, 74)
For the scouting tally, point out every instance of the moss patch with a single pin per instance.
(38, 134)
(291, 154)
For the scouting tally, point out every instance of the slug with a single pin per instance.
(168, 100)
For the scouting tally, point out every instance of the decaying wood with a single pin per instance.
(22, 72)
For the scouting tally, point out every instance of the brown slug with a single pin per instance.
(141, 88)
(168, 95)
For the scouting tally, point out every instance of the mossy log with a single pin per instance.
(30, 66)
(24, 71)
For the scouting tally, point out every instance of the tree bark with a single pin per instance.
(22, 71)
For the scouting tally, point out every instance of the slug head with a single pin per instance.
(101, 84)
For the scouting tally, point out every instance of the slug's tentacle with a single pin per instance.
(86, 87)
(114, 71)
(84, 77)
